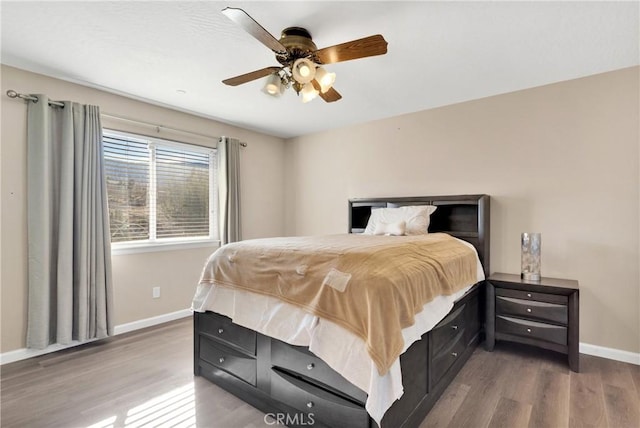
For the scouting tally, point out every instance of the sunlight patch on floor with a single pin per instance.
(176, 408)
(105, 423)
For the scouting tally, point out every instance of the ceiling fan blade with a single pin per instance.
(361, 48)
(244, 78)
(330, 96)
(252, 27)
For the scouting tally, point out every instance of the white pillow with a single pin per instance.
(393, 229)
(416, 218)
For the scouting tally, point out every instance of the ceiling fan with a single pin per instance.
(301, 61)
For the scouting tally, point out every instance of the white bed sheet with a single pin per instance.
(342, 350)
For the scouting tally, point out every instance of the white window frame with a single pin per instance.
(168, 244)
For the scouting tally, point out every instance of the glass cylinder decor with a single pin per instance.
(530, 263)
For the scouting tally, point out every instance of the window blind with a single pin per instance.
(127, 173)
(182, 180)
(159, 190)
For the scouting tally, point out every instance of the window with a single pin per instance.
(159, 191)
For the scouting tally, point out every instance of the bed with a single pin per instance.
(298, 388)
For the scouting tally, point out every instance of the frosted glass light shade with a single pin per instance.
(308, 93)
(273, 86)
(303, 70)
(325, 79)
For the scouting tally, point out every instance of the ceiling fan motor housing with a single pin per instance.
(298, 42)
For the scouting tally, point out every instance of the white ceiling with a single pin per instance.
(439, 53)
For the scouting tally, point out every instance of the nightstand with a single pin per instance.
(541, 313)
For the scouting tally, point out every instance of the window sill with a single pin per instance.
(122, 249)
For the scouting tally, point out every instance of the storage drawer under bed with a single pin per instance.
(223, 329)
(448, 329)
(316, 405)
(445, 358)
(228, 359)
(299, 361)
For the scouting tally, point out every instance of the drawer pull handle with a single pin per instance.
(454, 354)
(528, 330)
(310, 366)
(220, 330)
(529, 310)
(454, 327)
(221, 359)
(310, 404)
(528, 294)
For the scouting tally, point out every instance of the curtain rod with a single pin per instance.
(159, 127)
(13, 94)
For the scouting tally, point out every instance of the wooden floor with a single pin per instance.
(145, 379)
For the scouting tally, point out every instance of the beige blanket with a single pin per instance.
(370, 285)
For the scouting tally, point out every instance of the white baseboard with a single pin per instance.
(149, 322)
(24, 353)
(610, 353)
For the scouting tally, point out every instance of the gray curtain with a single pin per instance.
(70, 291)
(229, 190)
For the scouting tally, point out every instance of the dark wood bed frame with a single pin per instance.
(298, 389)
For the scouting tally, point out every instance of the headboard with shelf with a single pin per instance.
(463, 216)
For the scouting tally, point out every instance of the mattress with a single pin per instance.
(342, 350)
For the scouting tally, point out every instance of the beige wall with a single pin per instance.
(560, 159)
(176, 272)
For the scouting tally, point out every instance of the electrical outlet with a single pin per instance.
(156, 292)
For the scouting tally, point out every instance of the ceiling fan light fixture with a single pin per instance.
(273, 86)
(325, 79)
(300, 59)
(308, 92)
(303, 70)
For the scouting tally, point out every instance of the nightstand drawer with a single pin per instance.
(236, 363)
(223, 329)
(532, 329)
(532, 309)
(530, 295)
